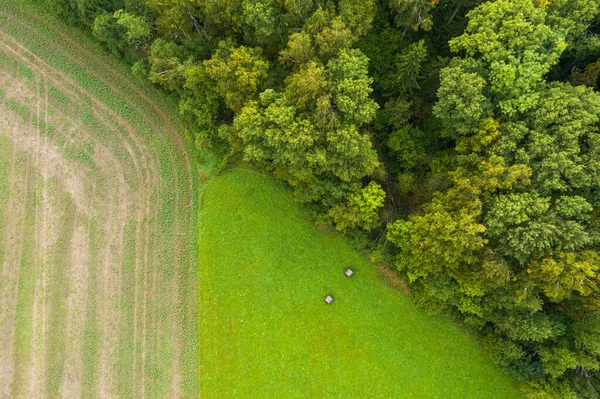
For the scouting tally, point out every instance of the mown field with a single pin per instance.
(97, 223)
(266, 332)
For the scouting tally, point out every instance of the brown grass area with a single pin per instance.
(392, 279)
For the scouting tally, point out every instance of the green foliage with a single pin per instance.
(400, 234)
(106, 30)
(333, 38)
(447, 235)
(175, 18)
(262, 17)
(308, 89)
(519, 226)
(404, 143)
(558, 140)
(462, 101)
(201, 98)
(299, 50)
(357, 15)
(516, 46)
(310, 134)
(351, 86)
(488, 133)
(238, 72)
(564, 275)
(491, 172)
(136, 29)
(222, 15)
(362, 209)
(81, 11)
(515, 254)
(166, 64)
(320, 164)
(323, 34)
(139, 70)
(571, 17)
(586, 331)
(198, 94)
(587, 77)
(408, 64)
(123, 33)
(413, 14)
(544, 389)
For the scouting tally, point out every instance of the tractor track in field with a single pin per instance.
(121, 202)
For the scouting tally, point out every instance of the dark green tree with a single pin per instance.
(408, 64)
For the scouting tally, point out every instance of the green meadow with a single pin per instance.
(266, 331)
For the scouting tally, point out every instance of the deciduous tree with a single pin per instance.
(238, 72)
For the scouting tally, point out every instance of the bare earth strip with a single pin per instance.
(132, 179)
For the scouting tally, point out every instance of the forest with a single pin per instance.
(456, 140)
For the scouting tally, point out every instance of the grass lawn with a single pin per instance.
(265, 330)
